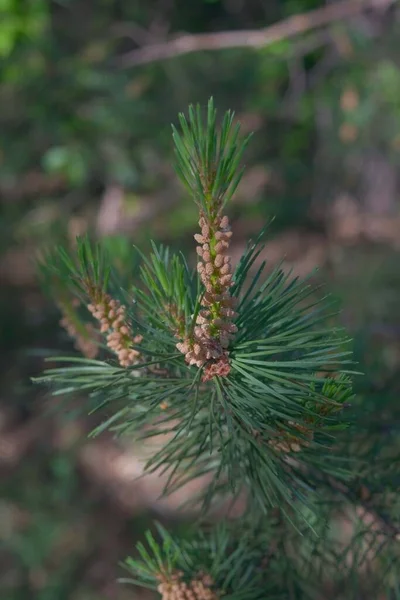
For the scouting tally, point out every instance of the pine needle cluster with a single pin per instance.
(240, 370)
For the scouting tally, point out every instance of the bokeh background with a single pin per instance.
(88, 90)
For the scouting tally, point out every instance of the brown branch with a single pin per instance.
(390, 529)
(357, 494)
(286, 29)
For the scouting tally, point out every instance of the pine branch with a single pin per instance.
(251, 383)
(284, 30)
(246, 382)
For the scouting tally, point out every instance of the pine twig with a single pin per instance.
(392, 530)
(261, 38)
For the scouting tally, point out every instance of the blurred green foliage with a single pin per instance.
(67, 109)
(50, 539)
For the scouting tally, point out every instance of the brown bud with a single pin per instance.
(225, 269)
(221, 246)
(205, 230)
(224, 223)
(209, 268)
(226, 279)
(219, 260)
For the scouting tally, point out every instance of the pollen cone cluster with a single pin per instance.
(85, 345)
(214, 324)
(83, 335)
(174, 588)
(287, 442)
(112, 317)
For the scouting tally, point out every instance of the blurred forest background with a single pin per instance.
(88, 90)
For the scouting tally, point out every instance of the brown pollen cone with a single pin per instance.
(111, 315)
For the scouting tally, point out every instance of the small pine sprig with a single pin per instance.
(261, 557)
(85, 277)
(294, 437)
(109, 311)
(208, 160)
(111, 315)
(207, 164)
(202, 565)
